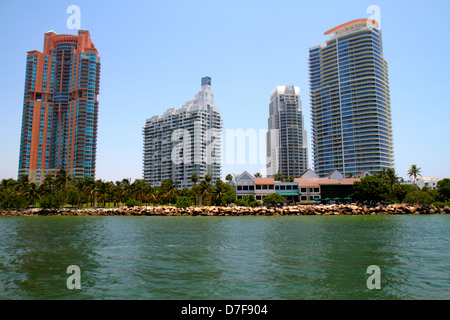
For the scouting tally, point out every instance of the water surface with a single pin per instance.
(293, 257)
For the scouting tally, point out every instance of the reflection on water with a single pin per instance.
(301, 257)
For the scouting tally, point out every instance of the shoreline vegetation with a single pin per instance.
(317, 210)
(61, 195)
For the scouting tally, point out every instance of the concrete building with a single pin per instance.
(429, 182)
(286, 136)
(350, 101)
(60, 108)
(184, 141)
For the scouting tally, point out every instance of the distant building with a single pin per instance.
(350, 101)
(429, 182)
(286, 136)
(184, 141)
(60, 108)
(308, 187)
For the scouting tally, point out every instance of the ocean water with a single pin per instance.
(269, 258)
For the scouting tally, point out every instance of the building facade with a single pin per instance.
(308, 187)
(286, 136)
(350, 101)
(60, 109)
(184, 141)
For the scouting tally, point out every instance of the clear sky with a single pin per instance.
(154, 53)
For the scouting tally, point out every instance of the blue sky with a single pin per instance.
(154, 53)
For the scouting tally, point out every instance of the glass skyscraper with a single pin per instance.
(60, 109)
(286, 137)
(184, 141)
(350, 102)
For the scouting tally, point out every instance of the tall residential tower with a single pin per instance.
(286, 137)
(184, 141)
(350, 102)
(60, 109)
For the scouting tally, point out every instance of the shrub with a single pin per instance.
(53, 200)
(419, 197)
(12, 200)
(183, 202)
(274, 199)
(438, 204)
(133, 203)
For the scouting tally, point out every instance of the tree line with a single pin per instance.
(60, 190)
(387, 187)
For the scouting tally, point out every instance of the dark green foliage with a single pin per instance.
(443, 189)
(419, 197)
(184, 202)
(247, 201)
(53, 200)
(370, 189)
(10, 199)
(132, 203)
(400, 191)
(274, 199)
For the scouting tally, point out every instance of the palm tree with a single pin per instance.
(257, 175)
(414, 171)
(102, 191)
(278, 176)
(229, 178)
(32, 194)
(47, 184)
(194, 178)
(61, 179)
(203, 189)
(23, 184)
(218, 192)
(389, 177)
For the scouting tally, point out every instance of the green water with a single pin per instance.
(297, 257)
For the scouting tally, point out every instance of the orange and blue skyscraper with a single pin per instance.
(60, 108)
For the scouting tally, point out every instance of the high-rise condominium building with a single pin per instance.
(350, 102)
(286, 137)
(60, 108)
(184, 141)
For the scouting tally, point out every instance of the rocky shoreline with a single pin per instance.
(347, 209)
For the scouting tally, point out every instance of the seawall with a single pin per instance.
(348, 209)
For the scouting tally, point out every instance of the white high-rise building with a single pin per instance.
(286, 137)
(184, 141)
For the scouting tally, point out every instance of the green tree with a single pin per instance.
(419, 197)
(61, 179)
(169, 191)
(389, 177)
(274, 199)
(183, 202)
(414, 171)
(208, 177)
(278, 176)
(401, 190)
(222, 193)
(229, 178)
(12, 199)
(194, 178)
(370, 189)
(203, 191)
(32, 194)
(257, 175)
(53, 200)
(443, 190)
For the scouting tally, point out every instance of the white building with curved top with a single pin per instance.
(350, 101)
